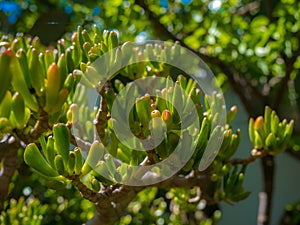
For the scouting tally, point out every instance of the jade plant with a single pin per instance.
(47, 120)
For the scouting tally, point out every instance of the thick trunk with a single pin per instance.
(112, 204)
(111, 209)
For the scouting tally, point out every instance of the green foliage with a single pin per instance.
(47, 201)
(57, 161)
(21, 212)
(268, 133)
(253, 51)
(291, 214)
(153, 206)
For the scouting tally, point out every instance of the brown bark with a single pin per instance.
(9, 148)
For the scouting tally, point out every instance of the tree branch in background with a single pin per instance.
(239, 84)
(254, 156)
(289, 67)
(269, 9)
(262, 207)
(268, 165)
(248, 8)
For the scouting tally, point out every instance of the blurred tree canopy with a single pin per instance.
(251, 46)
(254, 44)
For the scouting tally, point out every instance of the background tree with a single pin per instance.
(253, 48)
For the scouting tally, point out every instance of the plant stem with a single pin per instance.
(268, 166)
